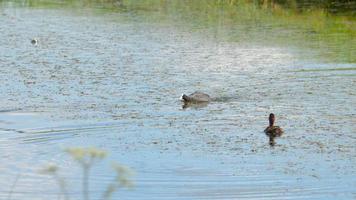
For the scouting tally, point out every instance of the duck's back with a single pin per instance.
(200, 96)
(197, 97)
(274, 131)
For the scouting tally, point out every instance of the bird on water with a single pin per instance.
(273, 131)
(34, 41)
(196, 97)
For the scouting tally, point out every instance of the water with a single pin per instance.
(113, 80)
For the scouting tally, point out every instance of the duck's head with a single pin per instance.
(271, 119)
(181, 97)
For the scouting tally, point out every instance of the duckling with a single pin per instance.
(196, 97)
(273, 131)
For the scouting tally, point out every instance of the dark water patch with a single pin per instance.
(12, 130)
(194, 105)
(9, 110)
(226, 99)
(326, 76)
(326, 70)
(46, 138)
(73, 129)
(46, 135)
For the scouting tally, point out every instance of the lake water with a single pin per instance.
(112, 79)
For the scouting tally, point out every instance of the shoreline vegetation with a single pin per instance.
(335, 7)
(329, 26)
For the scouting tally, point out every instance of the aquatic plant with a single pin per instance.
(121, 180)
(87, 158)
(52, 170)
(12, 187)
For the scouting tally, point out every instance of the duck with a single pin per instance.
(273, 131)
(196, 97)
(34, 41)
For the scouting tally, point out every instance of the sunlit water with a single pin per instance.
(114, 80)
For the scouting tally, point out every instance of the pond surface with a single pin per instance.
(113, 80)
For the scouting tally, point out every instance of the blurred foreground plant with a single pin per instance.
(87, 158)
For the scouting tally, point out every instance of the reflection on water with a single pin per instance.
(112, 79)
(194, 105)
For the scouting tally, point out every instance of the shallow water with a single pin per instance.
(113, 80)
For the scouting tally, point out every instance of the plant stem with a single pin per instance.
(62, 186)
(85, 182)
(13, 186)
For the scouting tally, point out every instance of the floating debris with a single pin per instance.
(34, 41)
